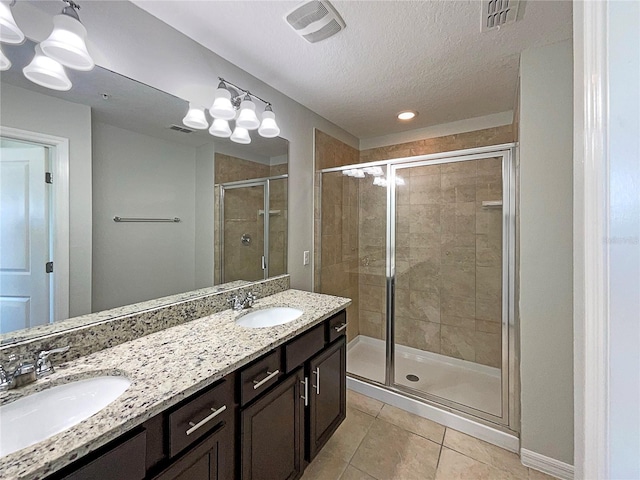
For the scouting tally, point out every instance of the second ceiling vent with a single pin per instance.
(496, 13)
(315, 20)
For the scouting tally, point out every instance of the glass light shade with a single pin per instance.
(195, 118)
(9, 30)
(220, 128)
(5, 63)
(248, 118)
(240, 135)
(374, 171)
(47, 72)
(67, 43)
(357, 173)
(222, 107)
(399, 181)
(269, 128)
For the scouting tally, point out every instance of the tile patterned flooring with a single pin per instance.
(381, 442)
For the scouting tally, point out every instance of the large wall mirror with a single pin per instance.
(193, 211)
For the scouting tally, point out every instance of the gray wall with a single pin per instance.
(205, 216)
(34, 112)
(166, 59)
(135, 175)
(546, 250)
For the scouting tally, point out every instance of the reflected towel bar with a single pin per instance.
(130, 219)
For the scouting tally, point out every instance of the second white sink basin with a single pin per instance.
(36, 417)
(269, 317)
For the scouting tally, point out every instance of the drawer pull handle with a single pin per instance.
(270, 375)
(305, 397)
(196, 426)
(317, 385)
(340, 328)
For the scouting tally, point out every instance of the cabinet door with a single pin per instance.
(327, 394)
(272, 433)
(211, 459)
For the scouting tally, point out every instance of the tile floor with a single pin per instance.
(381, 442)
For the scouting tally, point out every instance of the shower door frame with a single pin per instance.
(510, 418)
(254, 182)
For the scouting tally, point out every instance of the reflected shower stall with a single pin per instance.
(425, 247)
(251, 231)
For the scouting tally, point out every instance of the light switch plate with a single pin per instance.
(305, 259)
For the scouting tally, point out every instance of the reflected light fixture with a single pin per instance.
(5, 63)
(407, 115)
(240, 135)
(220, 128)
(67, 41)
(196, 118)
(9, 30)
(47, 72)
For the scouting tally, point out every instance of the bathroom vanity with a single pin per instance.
(209, 399)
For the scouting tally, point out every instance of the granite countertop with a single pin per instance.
(164, 368)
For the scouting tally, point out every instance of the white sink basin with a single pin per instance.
(36, 417)
(269, 317)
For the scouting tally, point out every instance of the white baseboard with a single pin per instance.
(547, 465)
(443, 417)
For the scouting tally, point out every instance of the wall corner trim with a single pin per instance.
(547, 465)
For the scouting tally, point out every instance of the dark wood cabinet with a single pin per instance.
(210, 459)
(272, 437)
(327, 395)
(264, 421)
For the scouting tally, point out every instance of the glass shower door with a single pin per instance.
(446, 229)
(243, 232)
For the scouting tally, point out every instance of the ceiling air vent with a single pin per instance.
(180, 129)
(496, 13)
(315, 20)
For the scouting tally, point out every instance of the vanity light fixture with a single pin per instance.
(5, 63)
(407, 115)
(67, 41)
(47, 72)
(234, 103)
(374, 171)
(9, 30)
(196, 118)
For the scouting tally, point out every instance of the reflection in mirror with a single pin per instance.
(117, 148)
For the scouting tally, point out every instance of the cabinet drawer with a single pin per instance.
(259, 376)
(336, 326)
(200, 415)
(303, 348)
(126, 460)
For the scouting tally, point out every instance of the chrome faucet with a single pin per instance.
(238, 303)
(21, 372)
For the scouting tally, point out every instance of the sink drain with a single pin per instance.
(413, 378)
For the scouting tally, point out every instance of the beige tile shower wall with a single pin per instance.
(234, 169)
(336, 226)
(459, 141)
(449, 260)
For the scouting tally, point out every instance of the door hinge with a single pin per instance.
(48, 177)
(49, 267)
(264, 263)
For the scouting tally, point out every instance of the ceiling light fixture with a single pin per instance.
(67, 41)
(9, 30)
(234, 103)
(47, 72)
(407, 115)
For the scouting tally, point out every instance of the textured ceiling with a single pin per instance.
(428, 56)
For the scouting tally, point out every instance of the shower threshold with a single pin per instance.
(466, 383)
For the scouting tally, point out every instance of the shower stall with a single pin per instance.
(425, 246)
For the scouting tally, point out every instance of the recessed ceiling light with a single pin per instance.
(407, 115)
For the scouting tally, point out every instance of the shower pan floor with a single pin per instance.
(467, 383)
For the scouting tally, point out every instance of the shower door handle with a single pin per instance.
(264, 263)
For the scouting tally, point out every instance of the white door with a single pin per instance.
(24, 236)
